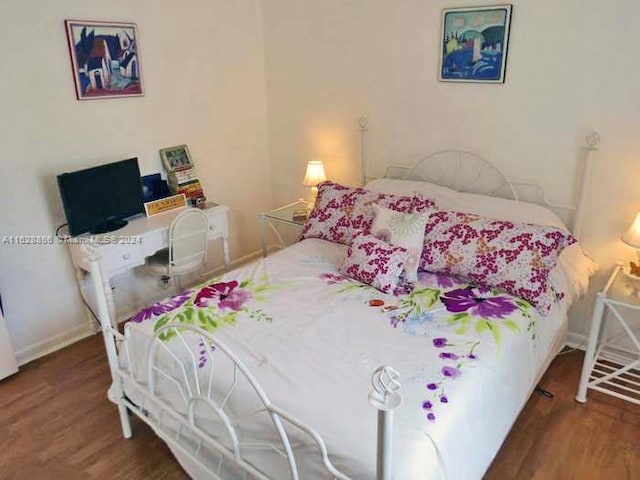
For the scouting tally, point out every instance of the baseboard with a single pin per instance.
(234, 263)
(576, 340)
(52, 344)
(579, 341)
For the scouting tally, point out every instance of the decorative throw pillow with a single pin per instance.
(375, 262)
(402, 229)
(514, 257)
(342, 212)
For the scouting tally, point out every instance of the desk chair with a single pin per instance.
(187, 250)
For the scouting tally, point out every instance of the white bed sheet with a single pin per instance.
(315, 358)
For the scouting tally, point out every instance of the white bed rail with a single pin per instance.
(170, 361)
(468, 172)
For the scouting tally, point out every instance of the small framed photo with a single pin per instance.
(176, 158)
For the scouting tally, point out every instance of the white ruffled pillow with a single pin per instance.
(404, 230)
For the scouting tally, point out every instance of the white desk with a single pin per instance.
(128, 247)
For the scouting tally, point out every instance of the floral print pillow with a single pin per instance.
(375, 262)
(402, 229)
(514, 257)
(340, 213)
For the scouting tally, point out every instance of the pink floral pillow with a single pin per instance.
(340, 213)
(514, 257)
(375, 262)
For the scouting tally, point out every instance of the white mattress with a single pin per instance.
(314, 359)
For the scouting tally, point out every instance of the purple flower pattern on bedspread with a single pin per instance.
(452, 369)
(226, 296)
(478, 301)
(439, 303)
(162, 307)
(209, 307)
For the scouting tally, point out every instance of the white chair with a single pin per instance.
(187, 250)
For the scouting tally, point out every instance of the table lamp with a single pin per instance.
(632, 238)
(314, 176)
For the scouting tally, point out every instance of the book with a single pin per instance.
(185, 188)
(182, 176)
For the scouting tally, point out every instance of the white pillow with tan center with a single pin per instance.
(404, 230)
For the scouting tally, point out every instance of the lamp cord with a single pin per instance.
(58, 232)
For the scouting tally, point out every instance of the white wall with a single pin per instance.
(571, 68)
(203, 68)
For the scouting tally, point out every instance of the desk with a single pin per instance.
(128, 247)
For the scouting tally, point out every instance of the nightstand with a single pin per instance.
(293, 215)
(612, 361)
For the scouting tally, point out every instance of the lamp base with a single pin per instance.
(311, 201)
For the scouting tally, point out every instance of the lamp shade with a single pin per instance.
(632, 236)
(315, 174)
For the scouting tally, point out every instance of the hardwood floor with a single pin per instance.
(56, 423)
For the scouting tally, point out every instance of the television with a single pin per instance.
(99, 199)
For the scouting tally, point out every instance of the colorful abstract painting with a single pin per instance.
(105, 59)
(474, 44)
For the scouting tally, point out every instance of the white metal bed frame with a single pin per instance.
(385, 397)
(464, 171)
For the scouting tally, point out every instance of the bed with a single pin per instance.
(278, 369)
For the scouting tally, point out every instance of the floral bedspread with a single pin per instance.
(313, 337)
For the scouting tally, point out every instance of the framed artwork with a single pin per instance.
(176, 158)
(105, 59)
(474, 44)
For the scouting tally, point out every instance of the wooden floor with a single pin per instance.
(56, 423)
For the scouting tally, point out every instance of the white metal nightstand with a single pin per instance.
(286, 215)
(611, 366)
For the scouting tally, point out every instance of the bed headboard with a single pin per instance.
(468, 172)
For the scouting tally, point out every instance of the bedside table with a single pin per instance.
(285, 215)
(610, 366)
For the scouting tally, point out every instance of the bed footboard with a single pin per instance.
(195, 410)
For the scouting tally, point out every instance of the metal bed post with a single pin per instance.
(385, 398)
(592, 142)
(107, 333)
(363, 123)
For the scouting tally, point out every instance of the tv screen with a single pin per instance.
(98, 199)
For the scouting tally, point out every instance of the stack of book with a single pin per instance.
(186, 181)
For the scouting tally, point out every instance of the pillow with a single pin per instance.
(342, 212)
(402, 229)
(375, 262)
(449, 199)
(574, 267)
(516, 257)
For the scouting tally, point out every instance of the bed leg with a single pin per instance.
(385, 443)
(385, 398)
(125, 421)
(103, 291)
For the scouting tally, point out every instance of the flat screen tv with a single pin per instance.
(99, 199)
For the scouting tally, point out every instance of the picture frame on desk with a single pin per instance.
(176, 158)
